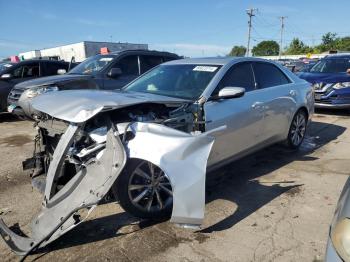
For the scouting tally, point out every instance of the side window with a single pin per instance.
(129, 65)
(239, 75)
(148, 62)
(51, 68)
(28, 70)
(268, 75)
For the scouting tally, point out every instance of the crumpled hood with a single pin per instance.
(78, 106)
(50, 80)
(327, 78)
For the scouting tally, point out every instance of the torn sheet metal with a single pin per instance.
(183, 157)
(78, 106)
(61, 211)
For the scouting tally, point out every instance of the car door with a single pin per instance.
(278, 97)
(242, 116)
(129, 66)
(51, 68)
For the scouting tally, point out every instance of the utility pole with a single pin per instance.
(250, 13)
(281, 39)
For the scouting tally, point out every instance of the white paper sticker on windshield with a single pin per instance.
(107, 59)
(7, 65)
(205, 68)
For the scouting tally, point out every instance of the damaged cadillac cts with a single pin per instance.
(152, 142)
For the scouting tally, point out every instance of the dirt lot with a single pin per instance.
(275, 205)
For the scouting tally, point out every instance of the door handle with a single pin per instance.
(258, 105)
(293, 92)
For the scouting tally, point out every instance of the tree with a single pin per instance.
(343, 44)
(296, 47)
(266, 48)
(329, 41)
(238, 51)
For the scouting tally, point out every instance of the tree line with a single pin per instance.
(330, 41)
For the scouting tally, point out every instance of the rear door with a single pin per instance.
(243, 116)
(275, 91)
(129, 66)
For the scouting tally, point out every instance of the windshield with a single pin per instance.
(4, 66)
(331, 66)
(92, 65)
(182, 81)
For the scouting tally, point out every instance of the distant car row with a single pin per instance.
(21, 82)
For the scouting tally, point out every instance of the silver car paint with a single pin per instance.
(183, 157)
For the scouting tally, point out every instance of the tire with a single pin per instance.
(297, 130)
(141, 194)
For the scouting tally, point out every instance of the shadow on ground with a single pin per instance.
(7, 117)
(236, 182)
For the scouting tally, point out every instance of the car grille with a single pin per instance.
(15, 94)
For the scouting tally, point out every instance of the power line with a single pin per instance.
(250, 13)
(281, 39)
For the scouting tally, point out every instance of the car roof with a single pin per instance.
(141, 51)
(337, 56)
(216, 60)
(40, 60)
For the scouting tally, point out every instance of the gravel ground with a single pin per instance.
(274, 205)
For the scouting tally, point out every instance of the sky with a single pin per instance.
(193, 28)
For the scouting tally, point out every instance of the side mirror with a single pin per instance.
(115, 72)
(229, 92)
(6, 76)
(61, 71)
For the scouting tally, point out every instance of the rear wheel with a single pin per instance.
(144, 190)
(297, 130)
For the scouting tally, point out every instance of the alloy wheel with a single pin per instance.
(149, 188)
(298, 129)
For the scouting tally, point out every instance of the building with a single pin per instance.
(80, 51)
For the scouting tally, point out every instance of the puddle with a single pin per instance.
(16, 140)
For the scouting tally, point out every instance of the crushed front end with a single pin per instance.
(76, 164)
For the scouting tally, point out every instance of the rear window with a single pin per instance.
(148, 62)
(268, 75)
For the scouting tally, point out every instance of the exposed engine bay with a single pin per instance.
(75, 165)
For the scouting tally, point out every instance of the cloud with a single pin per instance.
(193, 50)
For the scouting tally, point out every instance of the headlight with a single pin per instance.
(340, 236)
(40, 90)
(341, 85)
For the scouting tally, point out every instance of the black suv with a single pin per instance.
(108, 71)
(14, 73)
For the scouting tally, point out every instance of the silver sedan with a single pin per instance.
(153, 142)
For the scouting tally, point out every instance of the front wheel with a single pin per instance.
(297, 130)
(144, 190)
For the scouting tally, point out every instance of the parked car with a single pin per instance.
(330, 78)
(338, 245)
(109, 71)
(150, 142)
(14, 73)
